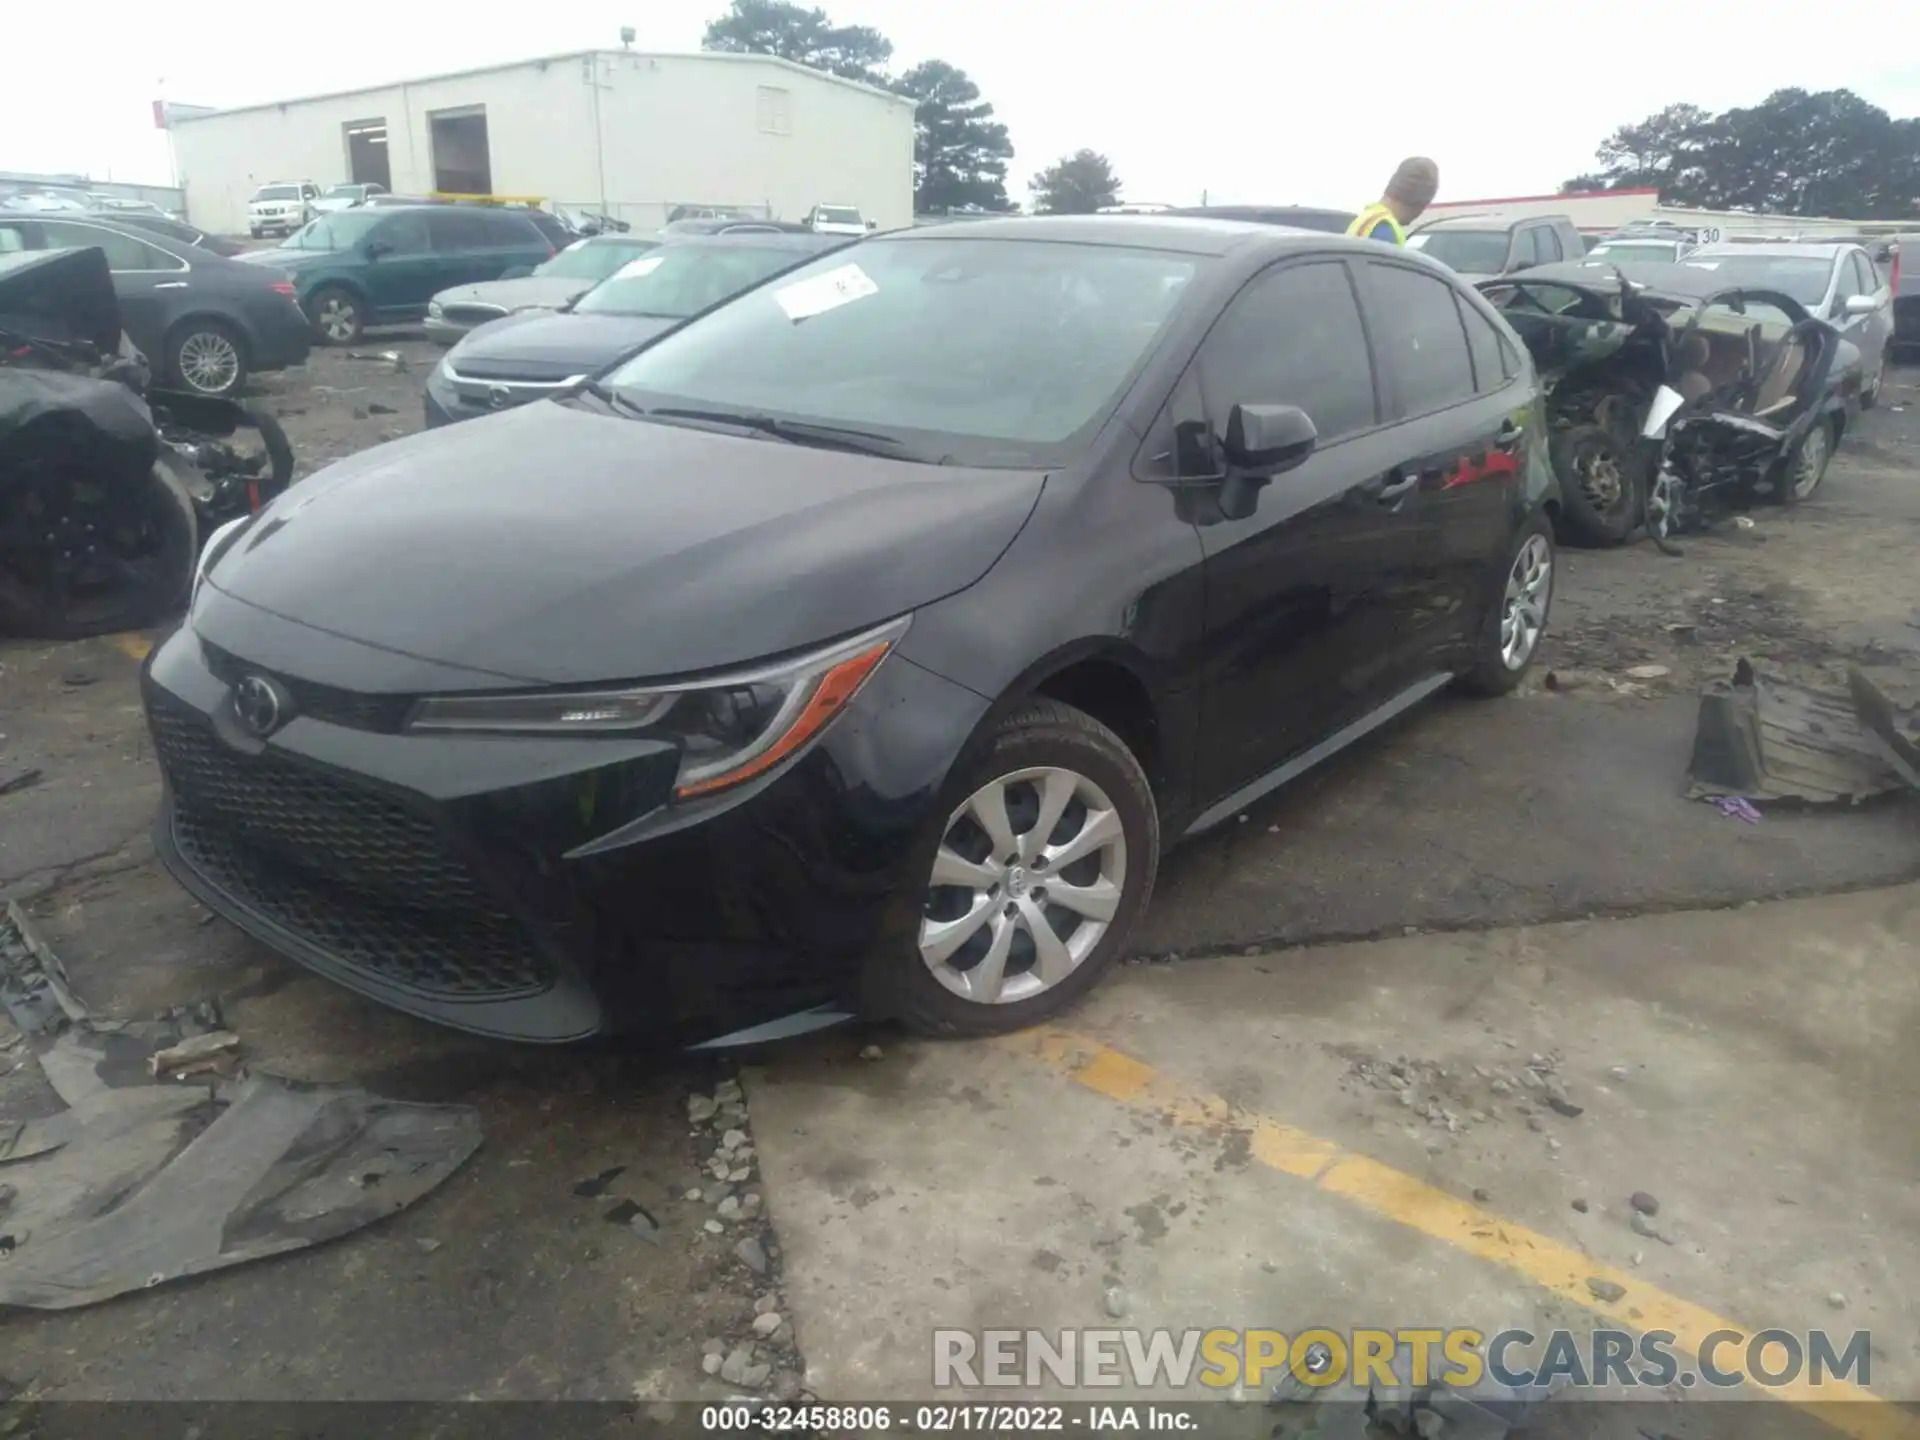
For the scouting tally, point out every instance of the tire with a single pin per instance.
(173, 532)
(1496, 667)
(1597, 490)
(211, 350)
(1791, 486)
(1043, 748)
(337, 314)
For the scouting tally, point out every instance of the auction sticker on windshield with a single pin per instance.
(634, 269)
(841, 286)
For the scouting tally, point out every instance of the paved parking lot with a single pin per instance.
(1220, 1137)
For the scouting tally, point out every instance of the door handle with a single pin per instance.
(171, 285)
(1398, 485)
(1508, 435)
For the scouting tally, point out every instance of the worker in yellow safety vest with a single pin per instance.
(1410, 191)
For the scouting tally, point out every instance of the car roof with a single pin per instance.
(799, 241)
(1480, 222)
(1190, 234)
(1801, 249)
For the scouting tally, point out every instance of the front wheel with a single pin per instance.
(1807, 466)
(1596, 483)
(1511, 636)
(338, 315)
(1034, 882)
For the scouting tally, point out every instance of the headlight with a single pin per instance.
(210, 553)
(433, 309)
(730, 728)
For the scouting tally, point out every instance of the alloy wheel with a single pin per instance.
(1529, 590)
(209, 362)
(1810, 461)
(1029, 875)
(336, 318)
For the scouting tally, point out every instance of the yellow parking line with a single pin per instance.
(133, 645)
(1408, 1201)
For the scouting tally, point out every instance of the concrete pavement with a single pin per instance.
(1223, 1143)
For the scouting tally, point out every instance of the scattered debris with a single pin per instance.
(1641, 1225)
(871, 1052)
(202, 1178)
(374, 407)
(1647, 672)
(1641, 1201)
(1581, 1206)
(1116, 1302)
(1836, 1300)
(752, 1255)
(1761, 740)
(1619, 1072)
(1481, 1194)
(710, 1363)
(20, 780)
(426, 1246)
(1736, 808)
(76, 679)
(714, 1227)
(765, 1323)
(1563, 1106)
(596, 1186)
(193, 1053)
(1605, 1291)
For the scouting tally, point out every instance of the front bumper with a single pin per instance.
(533, 888)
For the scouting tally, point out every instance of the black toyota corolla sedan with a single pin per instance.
(860, 645)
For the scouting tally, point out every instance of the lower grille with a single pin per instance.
(355, 874)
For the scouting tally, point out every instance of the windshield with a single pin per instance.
(277, 192)
(675, 281)
(593, 260)
(1803, 277)
(341, 231)
(1626, 252)
(1474, 252)
(993, 352)
(837, 215)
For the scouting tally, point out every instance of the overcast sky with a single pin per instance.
(1247, 101)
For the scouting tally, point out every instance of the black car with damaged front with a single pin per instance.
(859, 646)
(534, 355)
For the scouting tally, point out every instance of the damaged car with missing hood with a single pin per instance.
(107, 482)
(1672, 397)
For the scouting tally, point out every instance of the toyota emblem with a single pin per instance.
(258, 704)
(497, 396)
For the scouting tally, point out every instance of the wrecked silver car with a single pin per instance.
(1672, 397)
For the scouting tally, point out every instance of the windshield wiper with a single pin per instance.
(609, 397)
(794, 432)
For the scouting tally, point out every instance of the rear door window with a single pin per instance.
(1418, 335)
(1493, 363)
(1293, 336)
(512, 232)
(124, 253)
(453, 230)
(404, 235)
(1863, 273)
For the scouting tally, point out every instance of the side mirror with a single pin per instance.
(1261, 442)
(1859, 305)
(873, 224)
(516, 272)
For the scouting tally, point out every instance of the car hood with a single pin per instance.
(553, 544)
(547, 345)
(526, 290)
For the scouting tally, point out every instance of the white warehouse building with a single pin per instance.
(614, 131)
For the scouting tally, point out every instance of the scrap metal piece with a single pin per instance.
(1770, 740)
(1882, 726)
(138, 1183)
